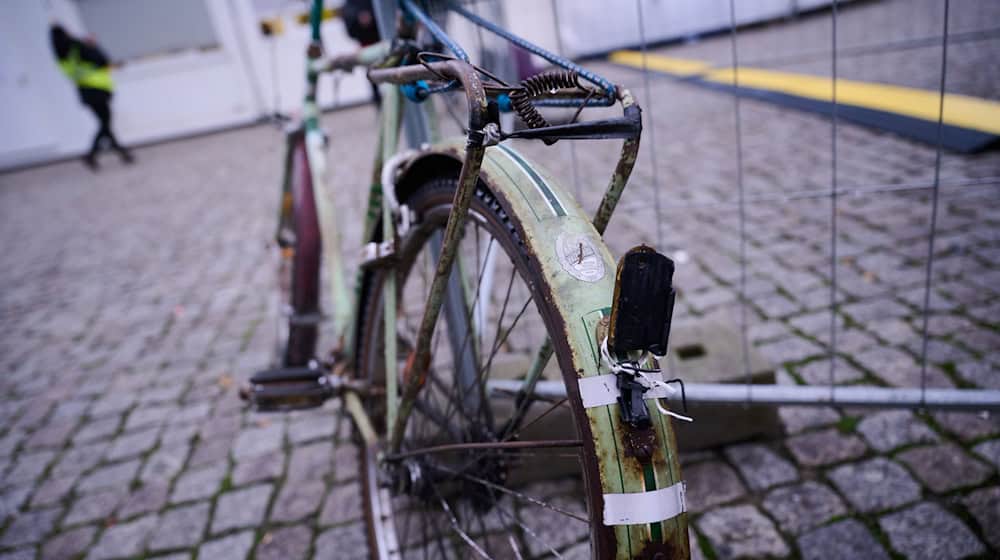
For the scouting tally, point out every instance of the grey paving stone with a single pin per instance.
(257, 441)
(10, 442)
(97, 429)
(818, 372)
(297, 500)
(52, 491)
(52, 435)
(163, 394)
(898, 368)
(984, 505)
(151, 496)
(19, 554)
(258, 468)
(945, 467)
(94, 506)
(12, 498)
(175, 435)
(28, 467)
(926, 531)
(79, 459)
(875, 485)
(800, 418)
(308, 429)
(181, 527)
(854, 341)
(241, 508)
(233, 547)
(825, 447)
(287, 543)
(890, 429)
(968, 426)
(346, 462)
(132, 444)
(844, 540)
(980, 373)
(341, 505)
(761, 467)
(123, 540)
(120, 475)
(164, 463)
(213, 451)
(989, 450)
(225, 425)
(196, 412)
(801, 507)
(711, 483)
(200, 483)
(30, 527)
(112, 403)
(893, 331)
(68, 544)
(740, 532)
(792, 349)
(776, 306)
(149, 416)
(344, 542)
(874, 309)
(311, 462)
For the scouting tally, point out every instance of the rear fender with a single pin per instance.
(581, 289)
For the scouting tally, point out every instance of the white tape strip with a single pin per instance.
(602, 390)
(645, 507)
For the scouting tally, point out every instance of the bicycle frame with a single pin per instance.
(514, 180)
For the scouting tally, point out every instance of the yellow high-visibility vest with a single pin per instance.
(86, 74)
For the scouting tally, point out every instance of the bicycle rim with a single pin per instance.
(478, 501)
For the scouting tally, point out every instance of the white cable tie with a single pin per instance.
(650, 383)
(671, 413)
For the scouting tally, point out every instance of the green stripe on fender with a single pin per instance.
(550, 197)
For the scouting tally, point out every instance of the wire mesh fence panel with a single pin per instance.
(813, 231)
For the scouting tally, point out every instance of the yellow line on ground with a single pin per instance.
(676, 66)
(959, 110)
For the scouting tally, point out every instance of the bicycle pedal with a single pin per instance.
(643, 303)
(287, 389)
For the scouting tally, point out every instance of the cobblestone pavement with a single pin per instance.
(133, 302)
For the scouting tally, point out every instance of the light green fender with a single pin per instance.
(582, 290)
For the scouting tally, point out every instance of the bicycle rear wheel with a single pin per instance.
(298, 267)
(466, 497)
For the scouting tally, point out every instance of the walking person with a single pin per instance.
(86, 65)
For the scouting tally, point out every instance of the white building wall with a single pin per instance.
(194, 91)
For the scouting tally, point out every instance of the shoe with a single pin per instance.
(127, 156)
(90, 160)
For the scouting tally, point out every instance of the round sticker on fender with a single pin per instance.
(579, 257)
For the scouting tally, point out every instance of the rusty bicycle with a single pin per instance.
(481, 280)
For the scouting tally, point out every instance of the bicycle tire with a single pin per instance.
(431, 202)
(302, 296)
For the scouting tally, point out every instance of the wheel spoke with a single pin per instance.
(515, 493)
(454, 525)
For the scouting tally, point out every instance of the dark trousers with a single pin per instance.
(99, 101)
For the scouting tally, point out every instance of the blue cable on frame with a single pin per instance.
(608, 87)
(435, 29)
(416, 92)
